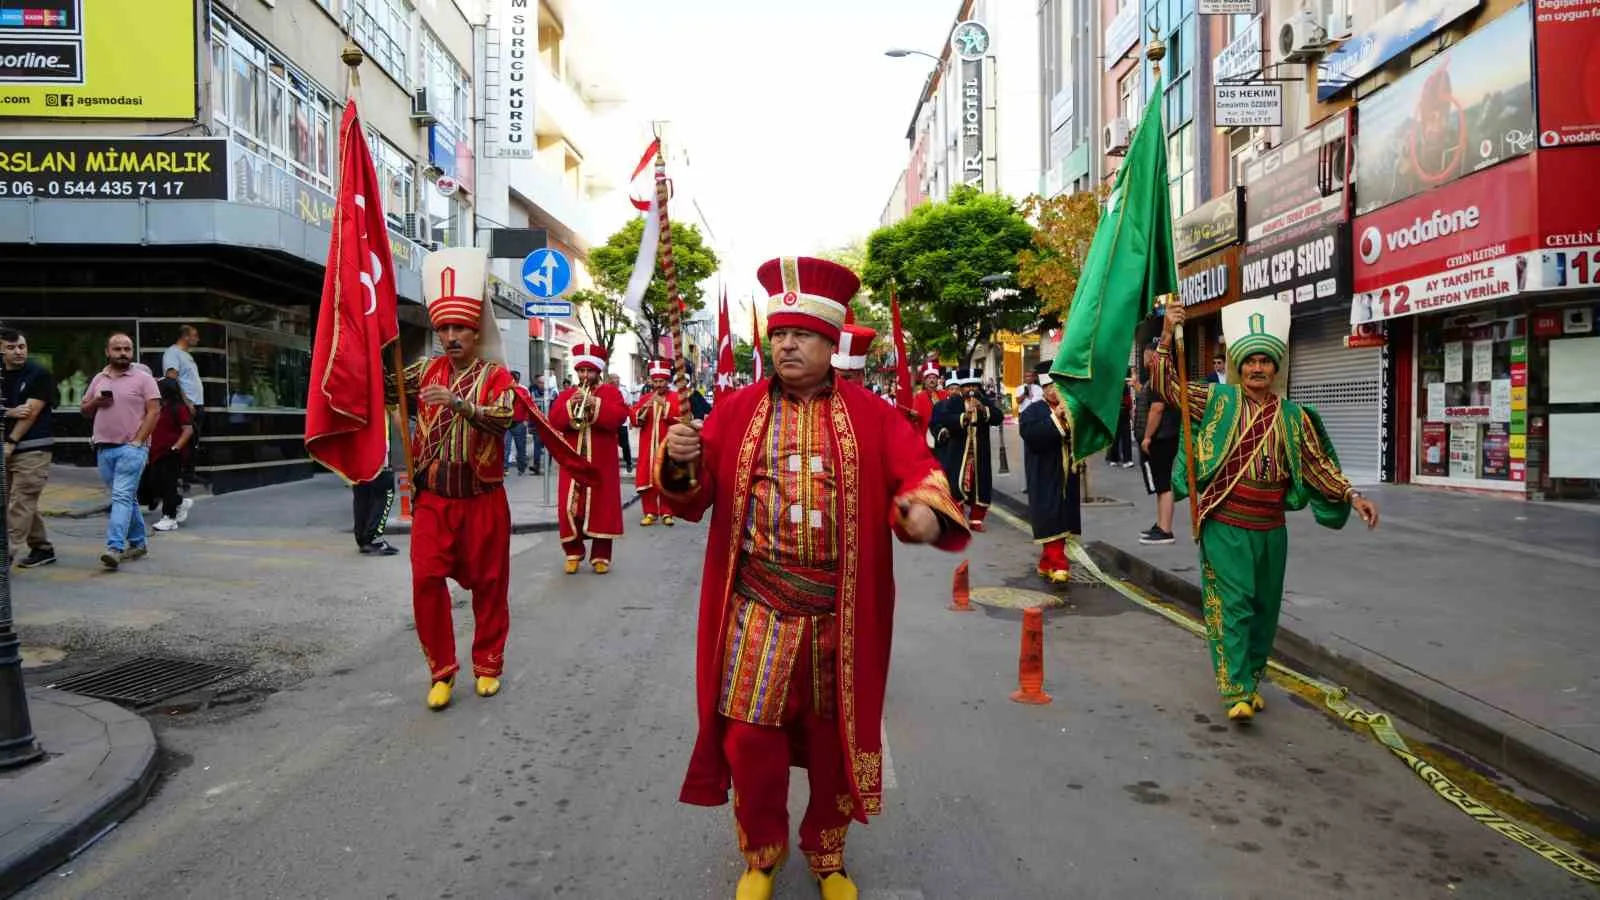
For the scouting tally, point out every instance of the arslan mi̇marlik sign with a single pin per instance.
(121, 169)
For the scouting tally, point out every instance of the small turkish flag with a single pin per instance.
(345, 421)
(724, 351)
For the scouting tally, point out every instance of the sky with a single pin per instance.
(794, 119)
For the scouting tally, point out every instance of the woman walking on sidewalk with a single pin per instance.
(169, 445)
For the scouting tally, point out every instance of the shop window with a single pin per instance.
(446, 82)
(267, 370)
(73, 350)
(383, 29)
(1467, 398)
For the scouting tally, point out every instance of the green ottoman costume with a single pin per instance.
(1253, 460)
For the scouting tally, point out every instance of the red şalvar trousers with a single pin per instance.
(601, 549)
(978, 512)
(758, 757)
(468, 539)
(1053, 556)
(652, 503)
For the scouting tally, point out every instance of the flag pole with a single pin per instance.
(669, 268)
(353, 57)
(1156, 51)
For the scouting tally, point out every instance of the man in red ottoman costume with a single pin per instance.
(657, 410)
(806, 478)
(590, 415)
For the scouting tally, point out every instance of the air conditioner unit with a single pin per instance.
(1302, 38)
(1116, 137)
(1338, 26)
(418, 228)
(420, 110)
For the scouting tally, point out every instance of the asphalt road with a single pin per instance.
(1129, 785)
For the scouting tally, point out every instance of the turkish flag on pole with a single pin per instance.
(902, 363)
(756, 360)
(345, 423)
(724, 350)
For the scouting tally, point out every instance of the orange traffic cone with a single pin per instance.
(1030, 666)
(961, 590)
(402, 484)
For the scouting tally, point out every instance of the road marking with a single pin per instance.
(889, 782)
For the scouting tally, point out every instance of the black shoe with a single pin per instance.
(380, 548)
(1157, 536)
(39, 557)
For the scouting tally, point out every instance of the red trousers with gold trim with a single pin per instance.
(600, 551)
(759, 758)
(653, 503)
(979, 513)
(468, 539)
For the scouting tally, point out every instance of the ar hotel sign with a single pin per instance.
(970, 41)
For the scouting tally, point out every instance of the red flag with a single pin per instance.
(902, 363)
(756, 360)
(345, 427)
(724, 351)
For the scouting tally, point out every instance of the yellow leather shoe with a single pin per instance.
(602, 566)
(1258, 702)
(487, 686)
(1241, 713)
(837, 886)
(1060, 576)
(439, 694)
(667, 521)
(647, 521)
(571, 566)
(755, 884)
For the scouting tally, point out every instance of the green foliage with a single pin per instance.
(1052, 266)
(611, 264)
(935, 258)
(606, 317)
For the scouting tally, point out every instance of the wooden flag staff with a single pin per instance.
(353, 57)
(669, 268)
(1156, 50)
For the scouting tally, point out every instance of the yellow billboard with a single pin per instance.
(97, 59)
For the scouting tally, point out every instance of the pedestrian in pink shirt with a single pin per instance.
(123, 401)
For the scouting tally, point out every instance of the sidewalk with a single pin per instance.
(100, 763)
(1473, 617)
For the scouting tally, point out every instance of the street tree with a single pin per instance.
(935, 258)
(1063, 229)
(606, 317)
(870, 308)
(611, 264)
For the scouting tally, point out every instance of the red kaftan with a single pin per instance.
(599, 509)
(653, 415)
(879, 458)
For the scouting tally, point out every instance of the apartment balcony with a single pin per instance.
(559, 111)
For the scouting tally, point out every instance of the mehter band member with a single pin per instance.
(1053, 499)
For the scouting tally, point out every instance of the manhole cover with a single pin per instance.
(1015, 598)
(144, 680)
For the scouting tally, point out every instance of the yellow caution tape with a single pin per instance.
(1379, 724)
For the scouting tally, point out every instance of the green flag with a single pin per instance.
(1130, 264)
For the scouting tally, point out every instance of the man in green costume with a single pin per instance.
(1255, 456)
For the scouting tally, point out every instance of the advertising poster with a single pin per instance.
(1496, 452)
(1482, 360)
(1435, 446)
(98, 59)
(1405, 25)
(1500, 400)
(1565, 33)
(1464, 451)
(1465, 109)
(1300, 186)
(1435, 402)
(1453, 352)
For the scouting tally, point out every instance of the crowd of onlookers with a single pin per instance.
(143, 431)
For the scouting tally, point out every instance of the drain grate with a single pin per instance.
(144, 680)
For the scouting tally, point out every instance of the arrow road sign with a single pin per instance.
(546, 273)
(553, 308)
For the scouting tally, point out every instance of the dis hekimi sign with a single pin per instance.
(98, 59)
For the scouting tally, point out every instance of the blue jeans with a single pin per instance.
(517, 445)
(120, 469)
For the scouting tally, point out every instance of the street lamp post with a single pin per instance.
(993, 282)
(17, 745)
(901, 53)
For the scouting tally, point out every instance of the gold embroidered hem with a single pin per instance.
(826, 863)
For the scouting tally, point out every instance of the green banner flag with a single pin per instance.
(1130, 264)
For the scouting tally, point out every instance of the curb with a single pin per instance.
(1546, 762)
(118, 785)
(85, 511)
(401, 526)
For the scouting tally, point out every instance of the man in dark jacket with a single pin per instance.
(1053, 497)
(960, 428)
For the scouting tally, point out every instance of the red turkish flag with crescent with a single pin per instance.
(345, 421)
(724, 351)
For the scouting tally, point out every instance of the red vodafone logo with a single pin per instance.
(1371, 245)
(791, 299)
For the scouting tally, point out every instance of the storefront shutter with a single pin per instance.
(1343, 385)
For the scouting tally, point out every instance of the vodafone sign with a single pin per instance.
(1455, 245)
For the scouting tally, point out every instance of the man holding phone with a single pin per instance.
(124, 402)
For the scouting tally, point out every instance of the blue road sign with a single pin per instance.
(556, 309)
(546, 273)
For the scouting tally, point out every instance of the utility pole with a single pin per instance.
(17, 745)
